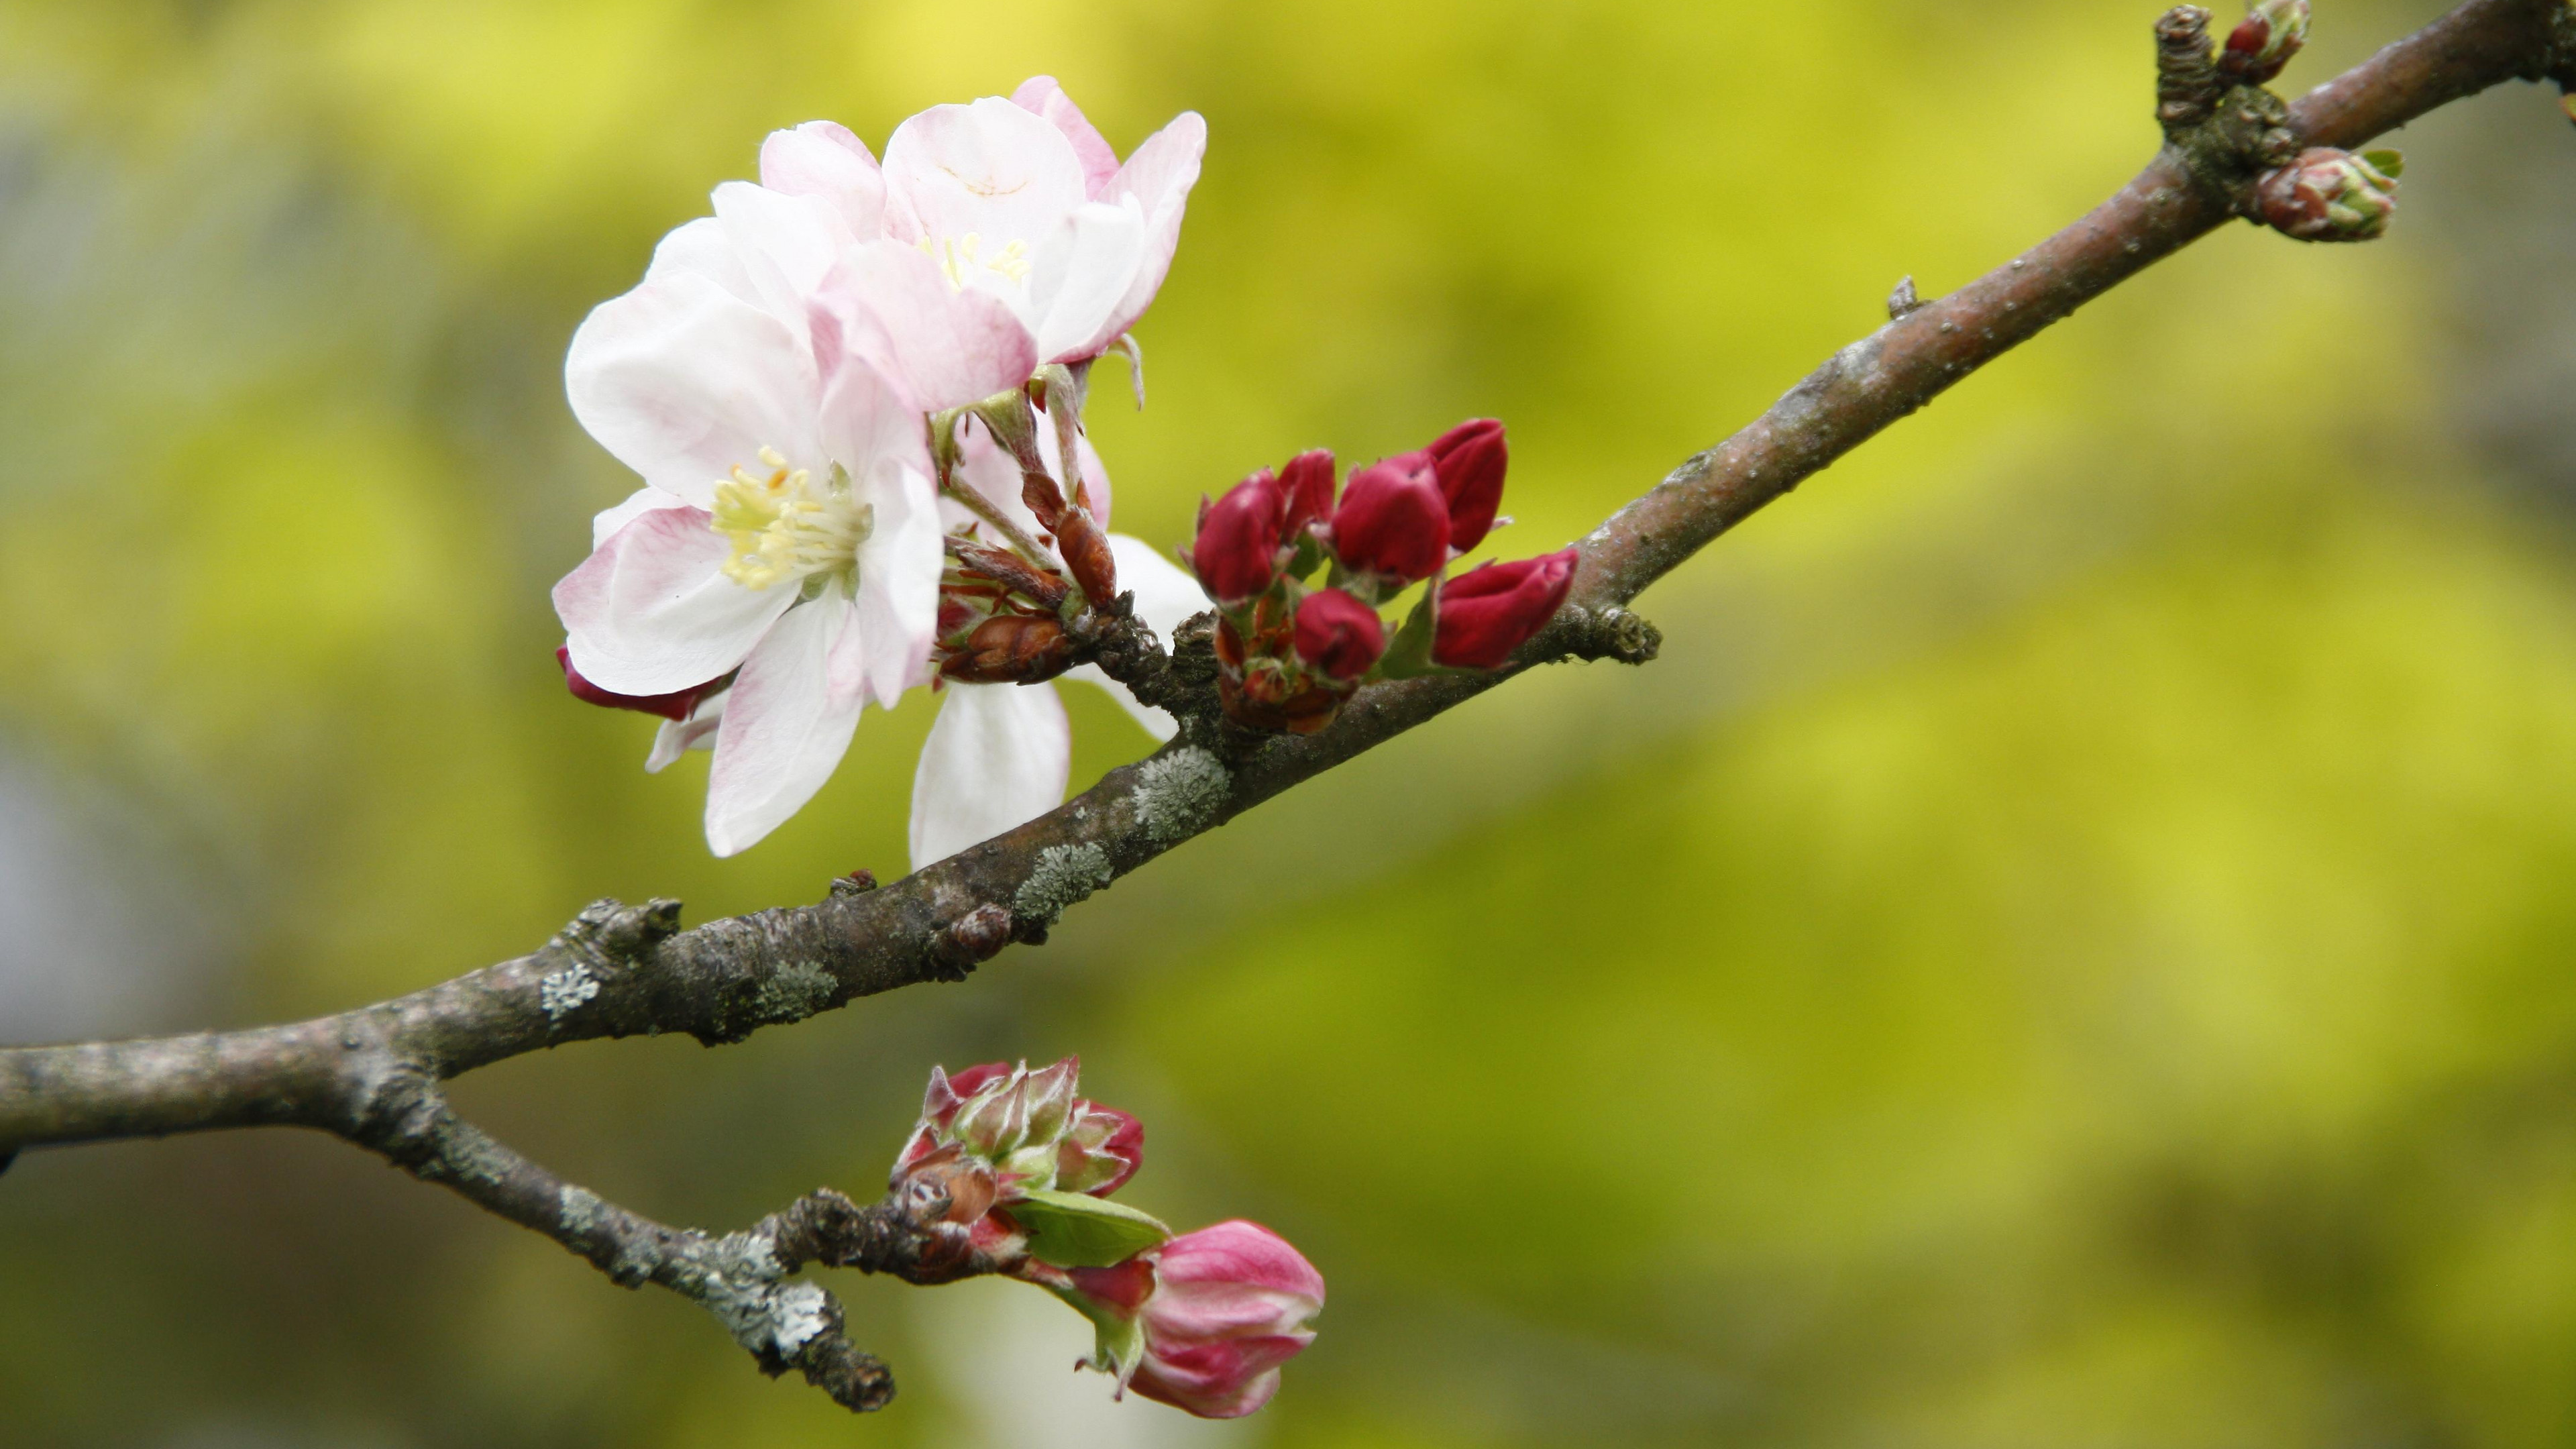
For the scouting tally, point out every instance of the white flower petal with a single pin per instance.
(1166, 596)
(702, 247)
(997, 757)
(890, 306)
(1041, 95)
(1080, 275)
(684, 382)
(822, 159)
(990, 169)
(1159, 177)
(787, 723)
(652, 612)
(786, 244)
(677, 737)
(607, 521)
(899, 569)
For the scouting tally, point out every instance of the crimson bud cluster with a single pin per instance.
(1290, 651)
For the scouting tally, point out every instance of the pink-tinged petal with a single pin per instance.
(677, 737)
(702, 249)
(822, 159)
(684, 382)
(989, 168)
(1159, 177)
(788, 724)
(786, 243)
(651, 611)
(975, 1079)
(899, 569)
(889, 305)
(1240, 1254)
(638, 503)
(1224, 1380)
(997, 757)
(1040, 95)
(868, 427)
(1080, 274)
(1165, 598)
(1125, 1144)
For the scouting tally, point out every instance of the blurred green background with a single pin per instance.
(2071, 946)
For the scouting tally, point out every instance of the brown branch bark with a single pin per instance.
(370, 1075)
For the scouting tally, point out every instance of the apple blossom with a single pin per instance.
(788, 534)
(997, 236)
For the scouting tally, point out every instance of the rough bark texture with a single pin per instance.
(372, 1075)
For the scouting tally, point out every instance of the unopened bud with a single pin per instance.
(1487, 613)
(1470, 459)
(1011, 649)
(1393, 521)
(679, 704)
(2330, 195)
(2265, 40)
(1338, 634)
(1307, 482)
(1236, 554)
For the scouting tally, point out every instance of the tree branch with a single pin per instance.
(371, 1075)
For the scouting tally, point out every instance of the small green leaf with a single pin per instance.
(2387, 163)
(1072, 1230)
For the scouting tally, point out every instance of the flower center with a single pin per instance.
(961, 257)
(784, 528)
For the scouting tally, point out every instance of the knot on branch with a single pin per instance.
(857, 1380)
(2225, 131)
(1123, 645)
(2187, 81)
(969, 941)
(1614, 633)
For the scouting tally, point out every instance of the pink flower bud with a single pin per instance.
(2263, 43)
(677, 705)
(1028, 1127)
(1308, 483)
(1487, 613)
(1470, 459)
(1237, 551)
(1338, 634)
(2331, 195)
(1103, 1150)
(1230, 1305)
(1393, 521)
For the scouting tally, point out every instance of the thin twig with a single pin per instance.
(371, 1075)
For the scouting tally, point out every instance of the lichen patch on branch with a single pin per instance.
(1066, 875)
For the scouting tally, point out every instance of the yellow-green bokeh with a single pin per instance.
(2069, 947)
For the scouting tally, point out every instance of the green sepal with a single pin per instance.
(1408, 654)
(1075, 1230)
(1117, 1344)
(2390, 164)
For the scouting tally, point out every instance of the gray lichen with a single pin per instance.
(579, 1209)
(736, 1277)
(1066, 875)
(1179, 794)
(796, 991)
(561, 991)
